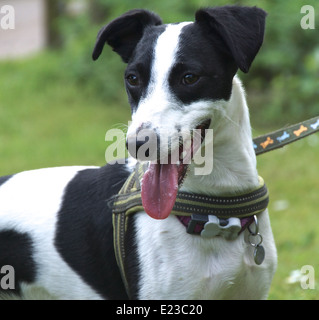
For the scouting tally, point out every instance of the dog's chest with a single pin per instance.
(177, 265)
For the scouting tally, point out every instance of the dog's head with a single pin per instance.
(176, 76)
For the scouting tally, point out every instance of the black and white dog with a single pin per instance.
(56, 223)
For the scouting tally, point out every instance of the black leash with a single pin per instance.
(282, 137)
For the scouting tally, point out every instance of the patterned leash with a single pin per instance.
(282, 137)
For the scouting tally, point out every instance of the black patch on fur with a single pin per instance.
(16, 250)
(5, 179)
(200, 55)
(131, 261)
(240, 28)
(140, 65)
(84, 235)
(124, 32)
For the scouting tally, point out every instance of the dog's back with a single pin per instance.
(56, 232)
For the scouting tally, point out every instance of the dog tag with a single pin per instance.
(259, 254)
(259, 251)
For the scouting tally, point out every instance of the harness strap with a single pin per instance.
(129, 201)
(119, 217)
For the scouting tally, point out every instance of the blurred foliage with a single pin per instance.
(282, 85)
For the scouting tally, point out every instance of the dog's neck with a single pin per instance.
(234, 160)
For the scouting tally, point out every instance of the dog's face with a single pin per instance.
(173, 79)
(172, 67)
(177, 76)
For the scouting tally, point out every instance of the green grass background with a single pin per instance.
(47, 120)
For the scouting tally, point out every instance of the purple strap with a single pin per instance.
(245, 222)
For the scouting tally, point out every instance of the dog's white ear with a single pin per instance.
(123, 33)
(240, 28)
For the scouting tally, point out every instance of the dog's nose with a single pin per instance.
(143, 144)
(134, 143)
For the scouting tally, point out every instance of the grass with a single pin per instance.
(47, 120)
(292, 178)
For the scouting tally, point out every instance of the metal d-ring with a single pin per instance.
(259, 251)
(256, 228)
(257, 243)
(255, 234)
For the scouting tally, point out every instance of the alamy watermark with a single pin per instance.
(305, 276)
(7, 17)
(308, 19)
(307, 281)
(185, 147)
(7, 277)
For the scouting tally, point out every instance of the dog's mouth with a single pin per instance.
(161, 181)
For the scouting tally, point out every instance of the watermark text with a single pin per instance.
(7, 17)
(7, 277)
(308, 20)
(195, 146)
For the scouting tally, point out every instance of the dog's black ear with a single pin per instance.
(123, 33)
(241, 29)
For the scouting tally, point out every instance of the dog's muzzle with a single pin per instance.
(143, 145)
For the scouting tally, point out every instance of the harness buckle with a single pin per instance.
(196, 224)
(209, 226)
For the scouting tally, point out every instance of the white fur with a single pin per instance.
(174, 264)
(234, 159)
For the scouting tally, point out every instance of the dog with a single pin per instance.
(56, 223)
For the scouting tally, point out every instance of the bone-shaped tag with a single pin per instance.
(228, 228)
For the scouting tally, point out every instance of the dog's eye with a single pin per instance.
(190, 79)
(132, 79)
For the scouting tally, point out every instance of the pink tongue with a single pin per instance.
(159, 189)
